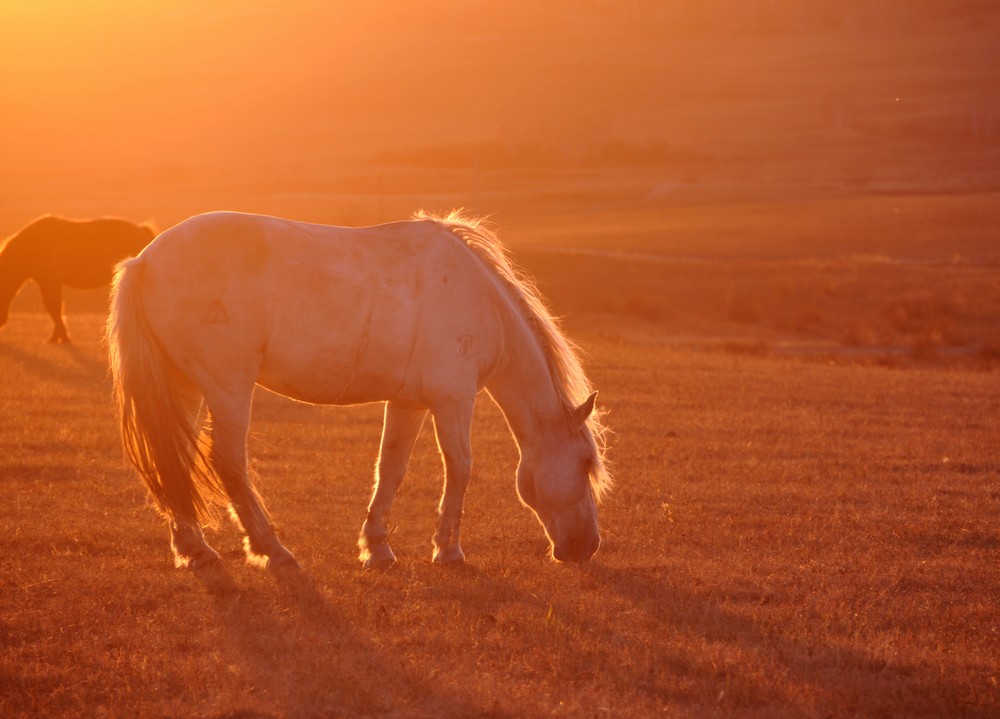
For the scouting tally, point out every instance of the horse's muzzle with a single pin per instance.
(576, 549)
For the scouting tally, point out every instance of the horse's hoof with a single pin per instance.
(206, 557)
(283, 563)
(377, 555)
(271, 557)
(449, 556)
(273, 562)
(374, 562)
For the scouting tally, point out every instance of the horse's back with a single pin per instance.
(321, 313)
(78, 253)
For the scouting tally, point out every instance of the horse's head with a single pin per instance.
(10, 283)
(554, 481)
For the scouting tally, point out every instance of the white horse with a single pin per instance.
(419, 314)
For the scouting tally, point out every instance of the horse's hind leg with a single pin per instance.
(189, 545)
(186, 539)
(52, 300)
(230, 419)
(399, 431)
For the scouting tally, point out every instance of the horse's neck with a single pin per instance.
(524, 390)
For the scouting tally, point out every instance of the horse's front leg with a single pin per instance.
(399, 432)
(52, 300)
(453, 426)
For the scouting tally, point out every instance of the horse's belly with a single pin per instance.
(391, 362)
(334, 387)
(83, 278)
(349, 368)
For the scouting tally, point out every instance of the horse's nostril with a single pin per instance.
(572, 550)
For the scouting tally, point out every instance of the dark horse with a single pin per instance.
(54, 251)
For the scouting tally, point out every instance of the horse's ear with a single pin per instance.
(581, 413)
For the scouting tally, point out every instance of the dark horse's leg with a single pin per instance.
(52, 299)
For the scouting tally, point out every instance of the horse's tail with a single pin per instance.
(158, 431)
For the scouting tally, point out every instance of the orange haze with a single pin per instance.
(349, 111)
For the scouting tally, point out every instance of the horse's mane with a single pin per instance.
(560, 352)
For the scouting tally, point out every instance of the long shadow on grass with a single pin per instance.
(672, 645)
(48, 363)
(301, 653)
(762, 662)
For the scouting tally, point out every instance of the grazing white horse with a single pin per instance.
(419, 314)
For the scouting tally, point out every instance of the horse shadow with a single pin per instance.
(67, 364)
(685, 612)
(276, 637)
(666, 620)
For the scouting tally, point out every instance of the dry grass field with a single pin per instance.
(791, 536)
(772, 227)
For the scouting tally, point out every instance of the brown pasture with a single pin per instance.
(794, 533)
(772, 227)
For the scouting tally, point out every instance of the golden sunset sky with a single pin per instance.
(114, 107)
